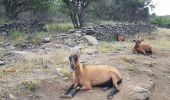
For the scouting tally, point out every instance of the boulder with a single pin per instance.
(139, 93)
(91, 40)
(46, 39)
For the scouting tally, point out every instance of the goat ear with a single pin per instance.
(79, 51)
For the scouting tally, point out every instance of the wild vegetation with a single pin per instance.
(35, 65)
(161, 21)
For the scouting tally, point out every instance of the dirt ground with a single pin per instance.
(51, 73)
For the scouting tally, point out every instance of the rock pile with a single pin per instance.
(22, 26)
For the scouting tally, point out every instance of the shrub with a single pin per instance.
(162, 21)
(29, 85)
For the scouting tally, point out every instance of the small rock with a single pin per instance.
(139, 93)
(9, 47)
(58, 46)
(150, 86)
(77, 34)
(46, 39)
(65, 78)
(2, 63)
(71, 30)
(111, 53)
(58, 71)
(127, 78)
(149, 64)
(12, 97)
(148, 72)
(91, 40)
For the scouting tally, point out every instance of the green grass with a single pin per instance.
(36, 37)
(59, 27)
(65, 73)
(2, 74)
(105, 47)
(2, 39)
(3, 20)
(17, 37)
(128, 59)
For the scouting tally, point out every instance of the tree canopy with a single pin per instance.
(15, 7)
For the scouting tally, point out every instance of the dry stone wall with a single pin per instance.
(22, 26)
(107, 32)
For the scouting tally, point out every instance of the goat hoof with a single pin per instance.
(105, 88)
(66, 96)
(90, 91)
(109, 97)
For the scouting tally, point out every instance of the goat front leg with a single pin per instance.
(135, 51)
(69, 89)
(86, 86)
(143, 51)
(73, 86)
(73, 91)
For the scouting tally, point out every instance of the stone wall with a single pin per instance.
(22, 26)
(107, 32)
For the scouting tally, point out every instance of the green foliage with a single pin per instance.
(59, 27)
(17, 37)
(29, 85)
(65, 73)
(2, 74)
(15, 7)
(119, 10)
(162, 21)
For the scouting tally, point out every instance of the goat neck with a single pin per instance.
(78, 70)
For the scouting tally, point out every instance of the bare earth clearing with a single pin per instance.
(44, 74)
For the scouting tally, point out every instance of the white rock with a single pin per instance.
(12, 97)
(91, 40)
(2, 63)
(139, 93)
(46, 39)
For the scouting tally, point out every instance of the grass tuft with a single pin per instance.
(59, 27)
(17, 37)
(65, 73)
(105, 47)
(128, 59)
(36, 37)
(30, 85)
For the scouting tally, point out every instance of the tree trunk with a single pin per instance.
(77, 12)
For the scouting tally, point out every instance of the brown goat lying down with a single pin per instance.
(120, 37)
(87, 76)
(141, 48)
